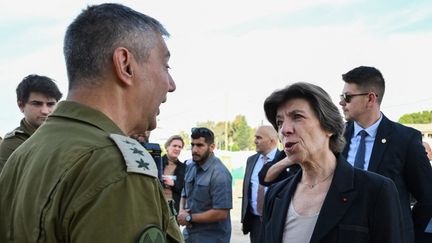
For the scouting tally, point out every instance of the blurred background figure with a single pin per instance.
(173, 170)
(142, 137)
(428, 150)
(36, 98)
(266, 141)
(207, 194)
(189, 161)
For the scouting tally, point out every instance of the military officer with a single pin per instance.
(36, 97)
(80, 177)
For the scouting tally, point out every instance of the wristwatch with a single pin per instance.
(189, 218)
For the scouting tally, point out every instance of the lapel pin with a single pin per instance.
(383, 140)
(344, 199)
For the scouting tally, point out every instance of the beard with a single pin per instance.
(201, 158)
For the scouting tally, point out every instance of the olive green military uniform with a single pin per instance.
(79, 179)
(14, 139)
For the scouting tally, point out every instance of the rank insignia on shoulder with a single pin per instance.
(151, 234)
(13, 133)
(137, 159)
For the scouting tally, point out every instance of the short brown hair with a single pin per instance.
(367, 79)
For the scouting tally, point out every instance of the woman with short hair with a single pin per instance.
(328, 200)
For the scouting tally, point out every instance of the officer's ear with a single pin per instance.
(21, 105)
(123, 61)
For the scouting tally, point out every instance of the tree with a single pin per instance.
(234, 136)
(186, 139)
(216, 130)
(424, 117)
(242, 134)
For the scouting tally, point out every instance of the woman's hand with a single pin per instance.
(286, 162)
(167, 180)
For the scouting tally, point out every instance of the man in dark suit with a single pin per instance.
(266, 140)
(387, 148)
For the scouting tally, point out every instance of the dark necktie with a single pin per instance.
(359, 161)
(260, 196)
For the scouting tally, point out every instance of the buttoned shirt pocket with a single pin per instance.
(189, 185)
(353, 233)
(202, 192)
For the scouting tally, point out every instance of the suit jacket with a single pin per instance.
(398, 154)
(360, 206)
(246, 207)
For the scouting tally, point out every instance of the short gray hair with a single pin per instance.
(93, 36)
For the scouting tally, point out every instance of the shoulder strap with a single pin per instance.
(13, 133)
(137, 159)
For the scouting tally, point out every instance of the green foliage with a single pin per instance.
(424, 117)
(242, 133)
(234, 147)
(233, 136)
(216, 130)
(186, 138)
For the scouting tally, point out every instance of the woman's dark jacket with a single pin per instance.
(179, 172)
(360, 207)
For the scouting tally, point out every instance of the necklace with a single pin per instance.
(311, 186)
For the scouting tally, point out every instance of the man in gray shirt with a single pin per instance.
(207, 194)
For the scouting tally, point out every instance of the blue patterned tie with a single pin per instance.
(359, 161)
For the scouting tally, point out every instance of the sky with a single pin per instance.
(227, 56)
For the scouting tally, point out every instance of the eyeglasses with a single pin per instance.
(347, 97)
